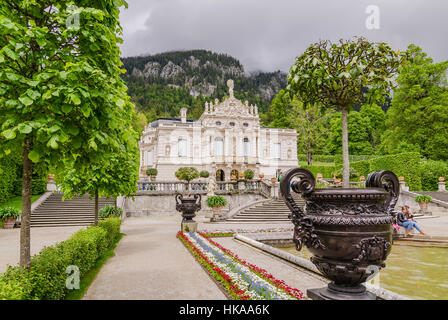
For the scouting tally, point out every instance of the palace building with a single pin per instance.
(225, 140)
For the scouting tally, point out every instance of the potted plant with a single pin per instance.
(248, 174)
(233, 177)
(50, 177)
(216, 203)
(261, 175)
(152, 173)
(8, 216)
(401, 178)
(423, 200)
(441, 179)
(241, 175)
(273, 179)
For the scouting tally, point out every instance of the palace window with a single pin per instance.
(219, 147)
(277, 150)
(218, 123)
(245, 124)
(246, 147)
(182, 147)
(232, 124)
(149, 160)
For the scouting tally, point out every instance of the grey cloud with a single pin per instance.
(268, 35)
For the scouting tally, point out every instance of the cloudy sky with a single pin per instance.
(267, 35)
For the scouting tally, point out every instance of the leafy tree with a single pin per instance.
(335, 76)
(418, 117)
(59, 84)
(308, 121)
(279, 111)
(359, 129)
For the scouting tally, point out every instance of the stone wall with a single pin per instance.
(157, 205)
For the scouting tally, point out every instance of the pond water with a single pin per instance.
(416, 272)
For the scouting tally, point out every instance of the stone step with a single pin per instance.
(71, 212)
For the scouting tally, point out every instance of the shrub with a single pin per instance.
(430, 171)
(109, 211)
(204, 174)
(249, 174)
(423, 198)
(8, 174)
(152, 172)
(112, 227)
(317, 157)
(9, 212)
(47, 274)
(216, 201)
(187, 173)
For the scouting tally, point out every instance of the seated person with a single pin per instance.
(409, 214)
(402, 220)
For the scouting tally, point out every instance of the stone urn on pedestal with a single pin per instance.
(188, 207)
(348, 231)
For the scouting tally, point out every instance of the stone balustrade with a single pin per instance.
(223, 187)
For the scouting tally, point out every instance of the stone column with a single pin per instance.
(442, 186)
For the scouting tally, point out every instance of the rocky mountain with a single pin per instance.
(203, 74)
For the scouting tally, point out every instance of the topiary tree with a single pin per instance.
(341, 75)
(187, 174)
(204, 174)
(248, 174)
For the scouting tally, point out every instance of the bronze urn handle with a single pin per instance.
(303, 225)
(388, 181)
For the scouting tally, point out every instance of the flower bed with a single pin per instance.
(230, 233)
(242, 280)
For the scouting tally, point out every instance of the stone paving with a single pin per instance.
(151, 263)
(40, 238)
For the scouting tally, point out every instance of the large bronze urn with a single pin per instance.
(188, 206)
(348, 231)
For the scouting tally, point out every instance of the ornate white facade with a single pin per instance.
(225, 139)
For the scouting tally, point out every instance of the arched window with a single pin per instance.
(182, 148)
(246, 147)
(219, 147)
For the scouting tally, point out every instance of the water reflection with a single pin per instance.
(416, 272)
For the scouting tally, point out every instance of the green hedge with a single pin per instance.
(8, 175)
(354, 158)
(326, 171)
(47, 275)
(430, 171)
(317, 157)
(402, 164)
(361, 167)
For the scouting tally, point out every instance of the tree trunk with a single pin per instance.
(96, 207)
(345, 157)
(309, 156)
(25, 233)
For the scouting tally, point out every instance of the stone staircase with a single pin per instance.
(272, 211)
(53, 212)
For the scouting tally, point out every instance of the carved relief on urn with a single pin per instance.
(347, 230)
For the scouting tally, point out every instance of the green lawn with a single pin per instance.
(16, 202)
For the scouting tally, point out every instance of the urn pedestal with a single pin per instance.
(348, 231)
